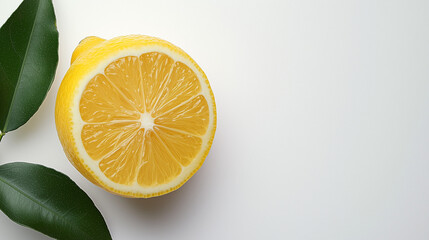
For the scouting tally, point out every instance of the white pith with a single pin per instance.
(146, 122)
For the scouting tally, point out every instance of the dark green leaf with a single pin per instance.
(50, 202)
(28, 60)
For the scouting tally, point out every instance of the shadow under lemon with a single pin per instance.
(175, 209)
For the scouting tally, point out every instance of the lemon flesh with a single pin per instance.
(135, 115)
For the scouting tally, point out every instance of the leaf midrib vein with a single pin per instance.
(37, 202)
(22, 67)
(31, 198)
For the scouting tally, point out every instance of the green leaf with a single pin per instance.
(28, 60)
(50, 202)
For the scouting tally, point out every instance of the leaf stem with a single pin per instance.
(1, 135)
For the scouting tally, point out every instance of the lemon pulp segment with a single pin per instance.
(143, 119)
(135, 115)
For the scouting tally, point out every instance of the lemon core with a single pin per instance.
(146, 121)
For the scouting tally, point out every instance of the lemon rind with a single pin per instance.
(69, 122)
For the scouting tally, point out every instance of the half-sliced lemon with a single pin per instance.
(135, 115)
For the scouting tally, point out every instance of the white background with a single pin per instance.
(323, 114)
